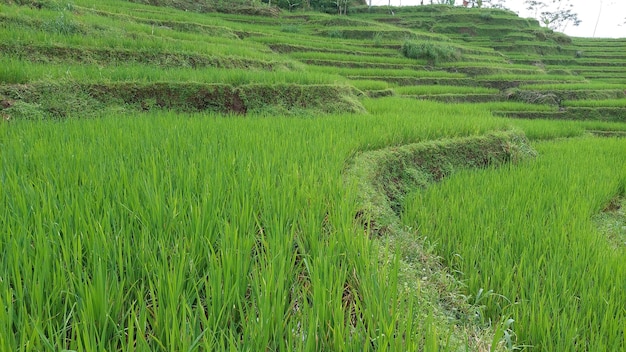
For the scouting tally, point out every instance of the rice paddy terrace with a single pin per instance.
(196, 177)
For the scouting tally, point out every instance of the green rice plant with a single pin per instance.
(526, 233)
(22, 72)
(442, 89)
(291, 29)
(64, 24)
(486, 63)
(369, 84)
(617, 103)
(361, 57)
(12, 72)
(140, 241)
(384, 72)
(121, 234)
(516, 106)
(526, 77)
(571, 86)
(430, 51)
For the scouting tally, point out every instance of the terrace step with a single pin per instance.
(360, 64)
(564, 94)
(65, 54)
(89, 98)
(595, 114)
(491, 70)
(459, 98)
(468, 82)
(283, 48)
(599, 133)
(415, 81)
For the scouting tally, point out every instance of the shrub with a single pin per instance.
(378, 39)
(431, 51)
(335, 33)
(63, 24)
(24, 111)
(290, 28)
(485, 16)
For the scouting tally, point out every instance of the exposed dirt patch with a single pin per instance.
(6, 103)
(611, 222)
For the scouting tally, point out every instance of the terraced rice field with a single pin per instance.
(250, 179)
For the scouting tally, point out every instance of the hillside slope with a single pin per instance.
(193, 177)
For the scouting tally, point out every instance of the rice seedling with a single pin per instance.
(526, 233)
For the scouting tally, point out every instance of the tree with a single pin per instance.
(342, 6)
(556, 15)
(495, 4)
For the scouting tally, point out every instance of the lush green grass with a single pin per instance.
(525, 234)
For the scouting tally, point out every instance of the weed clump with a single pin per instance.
(290, 28)
(433, 52)
(24, 111)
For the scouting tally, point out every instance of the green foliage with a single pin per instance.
(290, 28)
(486, 16)
(378, 39)
(612, 221)
(25, 111)
(121, 234)
(63, 24)
(335, 33)
(433, 52)
(513, 225)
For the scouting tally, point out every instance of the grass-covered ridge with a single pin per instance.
(199, 176)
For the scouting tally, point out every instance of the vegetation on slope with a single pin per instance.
(172, 223)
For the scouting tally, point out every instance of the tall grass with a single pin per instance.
(526, 234)
(16, 71)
